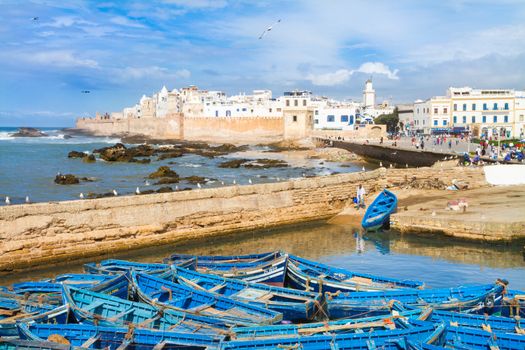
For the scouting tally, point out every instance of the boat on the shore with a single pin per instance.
(295, 305)
(309, 275)
(171, 295)
(377, 214)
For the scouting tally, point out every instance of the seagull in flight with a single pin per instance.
(85, 91)
(268, 29)
(34, 18)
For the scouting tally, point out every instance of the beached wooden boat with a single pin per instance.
(309, 275)
(420, 331)
(470, 299)
(89, 336)
(295, 305)
(385, 321)
(38, 314)
(160, 292)
(270, 272)
(377, 214)
(104, 310)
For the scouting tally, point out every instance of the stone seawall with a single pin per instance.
(211, 129)
(48, 232)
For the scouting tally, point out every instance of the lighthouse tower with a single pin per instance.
(369, 95)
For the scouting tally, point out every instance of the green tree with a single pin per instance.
(391, 121)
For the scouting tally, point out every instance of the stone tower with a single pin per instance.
(369, 94)
(298, 117)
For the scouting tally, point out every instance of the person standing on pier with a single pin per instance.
(361, 197)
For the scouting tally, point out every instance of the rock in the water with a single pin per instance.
(172, 154)
(195, 179)
(120, 153)
(67, 179)
(28, 132)
(163, 171)
(234, 163)
(165, 189)
(167, 180)
(76, 154)
(266, 163)
(89, 158)
(140, 161)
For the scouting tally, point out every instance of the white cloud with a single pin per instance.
(378, 68)
(67, 21)
(59, 58)
(153, 72)
(124, 21)
(343, 75)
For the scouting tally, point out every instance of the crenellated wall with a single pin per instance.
(46, 232)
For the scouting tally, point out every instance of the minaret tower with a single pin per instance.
(369, 95)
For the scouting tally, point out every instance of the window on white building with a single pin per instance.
(435, 111)
(455, 119)
(495, 119)
(316, 121)
(464, 106)
(506, 119)
(344, 119)
(484, 119)
(304, 102)
(444, 123)
(473, 119)
(464, 119)
(485, 107)
(287, 103)
(435, 122)
(352, 119)
(330, 118)
(296, 103)
(316, 112)
(294, 118)
(445, 110)
(455, 107)
(506, 107)
(473, 106)
(495, 106)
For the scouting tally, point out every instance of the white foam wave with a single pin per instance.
(191, 165)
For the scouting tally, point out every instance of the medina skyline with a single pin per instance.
(119, 50)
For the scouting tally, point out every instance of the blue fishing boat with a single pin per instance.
(484, 322)
(18, 344)
(96, 337)
(468, 338)
(309, 275)
(38, 314)
(472, 299)
(159, 292)
(270, 272)
(378, 213)
(373, 339)
(513, 303)
(386, 321)
(104, 310)
(295, 305)
(210, 259)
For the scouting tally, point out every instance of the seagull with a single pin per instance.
(27, 200)
(394, 152)
(34, 19)
(115, 193)
(176, 187)
(250, 181)
(137, 191)
(234, 182)
(147, 183)
(391, 165)
(222, 183)
(268, 29)
(304, 175)
(406, 165)
(278, 179)
(199, 185)
(81, 195)
(363, 169)
(381, 164)
(85, 91)
(7, 200)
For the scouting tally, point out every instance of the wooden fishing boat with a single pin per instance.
(374, 339)
(159, 292)
(484, 322)
(385, 321)
(39, 314)
(89, 336)
(513, 303)
(308, 275)
(470, 299)
(210, 259)
(377, 214)
(112, 266)
(270, 272)
(104, 310)
(295, 305)
(18, 344)
(470, 338)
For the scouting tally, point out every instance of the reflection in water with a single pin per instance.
(439, 261)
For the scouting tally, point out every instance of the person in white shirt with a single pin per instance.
(361, 197)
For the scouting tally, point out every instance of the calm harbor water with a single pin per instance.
(439, 261)
(28, 167)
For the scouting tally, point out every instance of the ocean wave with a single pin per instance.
(54, 136)
(191, 165)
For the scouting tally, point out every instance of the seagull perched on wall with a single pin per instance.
(268, 29)
(406, 165)
(27, 200)
(250, 181)
(137, 191)
(234, 182)
(81, 196)
(176, 187)
(363, 169)
(7, 200)
(391, 166)
(199, 185)
(222, 183)
(381, 164)
(115, 193)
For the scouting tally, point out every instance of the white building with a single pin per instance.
(486, 113)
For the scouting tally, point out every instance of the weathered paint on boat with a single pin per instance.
(378, 213)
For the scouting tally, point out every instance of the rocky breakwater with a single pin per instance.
(28, 132)
(57, 232)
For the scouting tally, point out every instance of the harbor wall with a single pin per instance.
(41, 233)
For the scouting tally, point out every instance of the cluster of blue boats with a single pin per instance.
(261, 301)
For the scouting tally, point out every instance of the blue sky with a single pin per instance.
(121, 49)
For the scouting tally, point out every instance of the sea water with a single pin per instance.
(28, 166)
